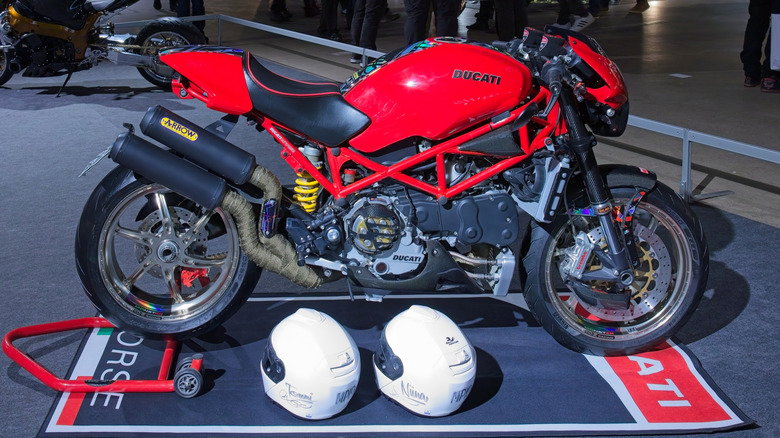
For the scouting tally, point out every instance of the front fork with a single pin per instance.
(621, 253)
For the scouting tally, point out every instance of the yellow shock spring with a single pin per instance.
(306, 190)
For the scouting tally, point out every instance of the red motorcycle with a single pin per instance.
(413, 175)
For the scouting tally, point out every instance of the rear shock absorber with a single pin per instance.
(306, 187)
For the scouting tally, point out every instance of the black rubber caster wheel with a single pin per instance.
(188, 382)
(184, 363)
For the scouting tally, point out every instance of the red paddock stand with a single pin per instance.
(187, 377)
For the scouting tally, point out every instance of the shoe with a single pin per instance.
(561, 26)
(478, 25)
(157, 4)
(639, 7)
(355, 58)
(770, 84)
(286, 14)
(581, 23)
(751, 81)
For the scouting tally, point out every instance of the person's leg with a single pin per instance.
(755, 33)
(594, 7)
(310, 8)
(358, 17)
(447, 12)
(520, 17)
(766, 68)
(770, 82)
(564, 14)
(505, 23)
(481, 23)
(375, 9)
(183, 8)
(416, 18)
(329, 16)
(198, 9)
(577, 8)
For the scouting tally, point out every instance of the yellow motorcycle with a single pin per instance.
(41, 38)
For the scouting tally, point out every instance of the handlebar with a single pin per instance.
(549, 59)
(548, 55)
(502, 45)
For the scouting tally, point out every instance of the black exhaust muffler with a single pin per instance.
(165, 168)
(199, 145)
(15, 65)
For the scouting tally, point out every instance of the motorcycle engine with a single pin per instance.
(381, 238)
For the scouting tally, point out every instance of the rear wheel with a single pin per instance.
(5, 71)
(162, 34)
(157, 264)
(668, 283)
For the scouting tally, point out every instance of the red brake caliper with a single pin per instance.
(189, 275)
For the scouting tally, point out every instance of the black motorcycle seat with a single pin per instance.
(315, 109)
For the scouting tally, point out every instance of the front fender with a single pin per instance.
(621, 175)
(615, 176)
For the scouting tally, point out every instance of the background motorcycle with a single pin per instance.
(48, 38)
(429, 158)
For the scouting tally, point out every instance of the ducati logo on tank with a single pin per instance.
(476, 76)
(178, 128)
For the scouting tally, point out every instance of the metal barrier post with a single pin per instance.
(685, 181)
(219, 30)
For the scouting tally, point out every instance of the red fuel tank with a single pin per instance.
(434, 89)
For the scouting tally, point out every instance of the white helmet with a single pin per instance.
(311, 365)
(424, 362)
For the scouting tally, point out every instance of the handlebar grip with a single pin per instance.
(512, 46)
(554, 78)
(503, 45)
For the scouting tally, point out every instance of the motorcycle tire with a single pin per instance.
(161, 34)
(155, 263)
(5, 71)
(668, 283)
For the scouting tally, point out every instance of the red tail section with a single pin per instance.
(214, 75)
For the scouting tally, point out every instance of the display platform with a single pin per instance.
(526, 383)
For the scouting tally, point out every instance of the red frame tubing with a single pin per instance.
(162, 384)
(300, 163)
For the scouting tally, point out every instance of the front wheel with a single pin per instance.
(668, 282)
(157, 264)
(162, 34)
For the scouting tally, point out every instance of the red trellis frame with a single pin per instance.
(337, 158)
